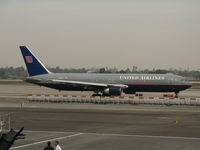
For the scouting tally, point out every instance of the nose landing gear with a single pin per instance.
(176, 94)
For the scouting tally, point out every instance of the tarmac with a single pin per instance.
(100, 127)
(94, 128)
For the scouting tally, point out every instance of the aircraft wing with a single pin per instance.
(89, 84)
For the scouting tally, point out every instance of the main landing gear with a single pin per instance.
(97, 93)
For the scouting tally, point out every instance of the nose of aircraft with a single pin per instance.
(189, 84)
(186, 83)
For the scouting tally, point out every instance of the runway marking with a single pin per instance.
(145, 136)
(122, 135)
(48, 131)
(102, 134)
(164, 118)
(35, 143)
(167, 118)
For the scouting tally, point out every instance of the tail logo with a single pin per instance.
(29, 59)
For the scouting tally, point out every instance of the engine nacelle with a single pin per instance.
(113, 90)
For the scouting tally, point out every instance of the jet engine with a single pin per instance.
(113, 90)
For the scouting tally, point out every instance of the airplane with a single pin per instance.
(99, 83)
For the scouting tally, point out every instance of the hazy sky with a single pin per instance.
(102, 33)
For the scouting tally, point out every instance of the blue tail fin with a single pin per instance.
(33, 65)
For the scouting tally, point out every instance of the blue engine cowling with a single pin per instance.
(113, 90)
